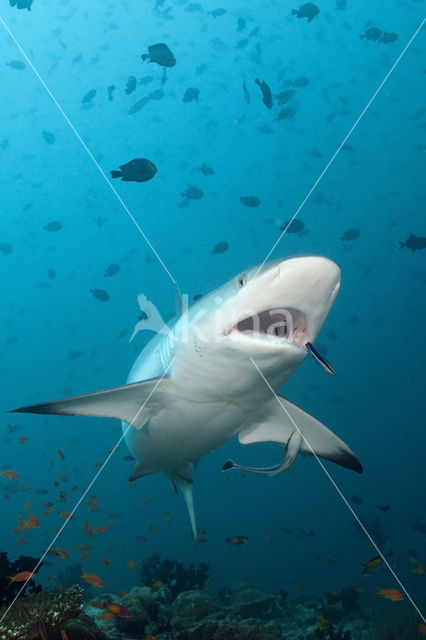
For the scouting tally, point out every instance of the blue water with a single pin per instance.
(373, 335)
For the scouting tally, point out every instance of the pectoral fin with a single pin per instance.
(124, 403)
(278, 427)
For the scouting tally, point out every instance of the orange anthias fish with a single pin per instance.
(237, 540)
(9, 474)
(32, 522)
(61, 553)
(422, 629)
(118, 610)
(22, 576)
(372, 564)
(131, 565)
(64, 635)
(93, 579)
(389, 594)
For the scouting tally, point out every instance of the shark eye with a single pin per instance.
(242, 280)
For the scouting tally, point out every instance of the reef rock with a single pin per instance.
(250, 603)
(190, 607)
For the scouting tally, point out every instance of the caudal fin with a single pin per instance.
(402, 244)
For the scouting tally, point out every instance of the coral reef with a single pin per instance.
(53, 608)
(9, 590)
(173, 573)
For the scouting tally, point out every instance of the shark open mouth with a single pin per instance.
(275, 325)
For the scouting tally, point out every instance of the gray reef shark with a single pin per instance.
(196, 385)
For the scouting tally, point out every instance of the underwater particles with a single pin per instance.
(161, 54)
(137, 170)
(308, 10)
(413, 242)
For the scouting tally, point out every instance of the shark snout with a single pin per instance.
(310, 284)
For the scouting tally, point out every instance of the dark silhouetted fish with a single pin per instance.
(413, 242)
(250, 201)
(387, 38)
(192, 193)
(246, 93)
(221, 247)
(216, 13)
(49, 137)
(295, 227)
(418, 526)
(241, 24)
(131, 85)
(87, 99)
(266, 93)
(100, 294)
(111, 90)
(308, 10)
(191, 94)
(161, 54)
(21, 4)
(16, 64)
(356, 499)
(137, 170)
(138, 105)
(284, 96)
(55, 225)
(372, 33)
(350, 234)
(111, 270)
(286, 114)
(205, 170)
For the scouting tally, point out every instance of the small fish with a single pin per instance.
(138, 105)
(266, 93)
(383, 507)
(131, 565)
(111, 90)
(389, 594)
(64, 635)
(296, 226)
(100, 294)
(220, 247)
(22, 576)
(55, 225)
(372, 564)
(93, 579)
(131, 85)
(191, 94)
(387, 38)
(16, 64)
(320, 359)
(350, 234)
(308, 10)
(323, 623)
(60, 454)
(422, 629)
(118, 610)
(238, 540)
(161, 54)
(250, 201)
(356, 499)
(246, 93)
(137, 170)
(372, 33)
(217, 12)
(111, 270)
(49, 137)
(9, 474)
(22, 439)
(88, 97)
(206, 170)
(287, 113)
(413, 242)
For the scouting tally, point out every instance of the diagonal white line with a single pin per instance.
(339, 148)
(333, 482)
(85, 493)
(86, 148)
